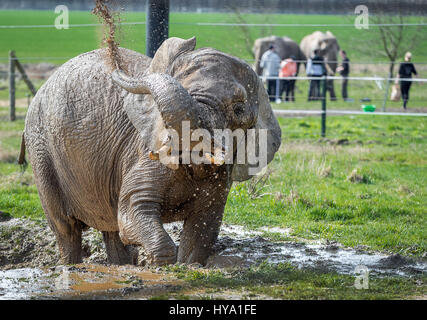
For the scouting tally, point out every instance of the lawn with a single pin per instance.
(53, 43)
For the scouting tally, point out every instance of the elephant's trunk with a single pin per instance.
(173, 101)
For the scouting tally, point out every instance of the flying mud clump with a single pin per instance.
(103, 10)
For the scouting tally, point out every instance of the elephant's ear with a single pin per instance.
(266, 120)
(169, 50)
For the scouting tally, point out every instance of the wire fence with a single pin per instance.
(382, 83)
(323, 112)
(226, 24)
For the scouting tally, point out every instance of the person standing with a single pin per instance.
(344, 70)
(288, 68)
(270, 63)
(406, 70)
(315, 68)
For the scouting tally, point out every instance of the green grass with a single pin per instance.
(58, 46)
(310, 191)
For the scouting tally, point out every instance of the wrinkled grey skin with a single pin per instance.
(285, 48)
(329, 48)
(91, 163)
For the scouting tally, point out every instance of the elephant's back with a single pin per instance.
(305, 45)
(77, 122)
(80, 92)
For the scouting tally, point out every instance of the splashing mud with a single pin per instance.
(103, 10)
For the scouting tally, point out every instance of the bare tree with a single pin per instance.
(391, 36)
(395, 36)
(248, 36)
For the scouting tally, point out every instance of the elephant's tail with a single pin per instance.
(21, 160)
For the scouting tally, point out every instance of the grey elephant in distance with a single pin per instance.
(92, 138)
(328, 46)
(284, 46)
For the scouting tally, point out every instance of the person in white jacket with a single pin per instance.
(270, 64)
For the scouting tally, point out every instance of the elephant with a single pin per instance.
(92, 135)
(329, 48)
(285, 48)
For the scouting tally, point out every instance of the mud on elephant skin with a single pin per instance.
(91, 136)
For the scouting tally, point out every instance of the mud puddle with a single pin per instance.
(29, 259)
(250, 247)
(84, 281)
(21, 283)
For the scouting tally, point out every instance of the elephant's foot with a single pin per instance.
(199, 236)
(196, 255)
(166, 255)
(117, 252)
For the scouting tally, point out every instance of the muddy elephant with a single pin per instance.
(93, 139)
(285, 48)
(329, 48)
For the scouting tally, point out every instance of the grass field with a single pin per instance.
(50, 42)
(57, 46)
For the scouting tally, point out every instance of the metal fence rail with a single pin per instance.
(287, 112)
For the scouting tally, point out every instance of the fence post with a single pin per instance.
(387, 87)
(324, 83)
(157, 27)
(24, 75)
(12, 85)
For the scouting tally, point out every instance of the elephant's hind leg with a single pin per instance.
(117, 252)
(67, 229)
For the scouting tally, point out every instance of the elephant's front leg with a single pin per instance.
(140, 224)
(201, 231)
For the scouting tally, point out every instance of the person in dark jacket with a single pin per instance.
(406, 70)
(344, 70)
(315, 68)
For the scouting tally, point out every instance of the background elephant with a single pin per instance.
(329, 48)
(90, 137)
(285, 48)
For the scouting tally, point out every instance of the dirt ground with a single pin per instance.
(29, 262)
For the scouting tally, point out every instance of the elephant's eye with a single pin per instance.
(239, 108)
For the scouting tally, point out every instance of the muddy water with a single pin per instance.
(236, 247)
(21, 283)
(251, 247)
(83, 281)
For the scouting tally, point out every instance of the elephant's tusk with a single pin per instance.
(154, 155)
(164, 150)
(217, 159)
